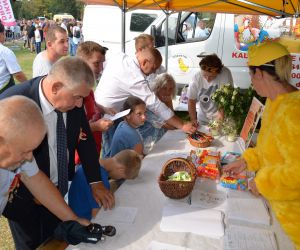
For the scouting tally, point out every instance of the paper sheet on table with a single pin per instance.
(206, 222)
(117, 115)
(155, 245)
(118, 215)
(252, 211)
(247, 238)
(208, 200)
(207, 194)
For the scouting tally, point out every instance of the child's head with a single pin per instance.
(144, 41)
(137, 115)
(127, 165)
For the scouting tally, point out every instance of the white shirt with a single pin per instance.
(37, 36)
(201, 90)
(121, 78)
(6, 177)
(41, 65)
(8, 64)
(63, 25)
(50, 118)
(75, 39)
(201, 33)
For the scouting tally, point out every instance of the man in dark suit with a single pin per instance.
(61, 91)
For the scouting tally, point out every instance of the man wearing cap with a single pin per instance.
(276, 158)
(9, 67)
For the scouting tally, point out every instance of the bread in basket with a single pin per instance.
(200, 139)
(177, 189)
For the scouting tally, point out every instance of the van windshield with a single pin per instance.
(193, 26)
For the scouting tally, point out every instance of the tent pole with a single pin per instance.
(123, 35)
(167, 39)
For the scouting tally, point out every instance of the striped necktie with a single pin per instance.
(62, 158)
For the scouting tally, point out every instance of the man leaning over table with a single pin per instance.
(61, 92)
(22, 128)
(124, 76)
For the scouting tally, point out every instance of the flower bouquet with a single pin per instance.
(235, 104)
(214, 127)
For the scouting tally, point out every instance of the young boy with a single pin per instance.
(124, 165)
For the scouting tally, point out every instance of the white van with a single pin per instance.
(228, 36)
(62, 16)
(103, 24)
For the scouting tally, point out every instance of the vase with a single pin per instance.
(231, 138)
(214, 132)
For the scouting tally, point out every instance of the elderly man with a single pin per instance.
(130, 78)
(22, 129)
(57, 47)
(60, 96)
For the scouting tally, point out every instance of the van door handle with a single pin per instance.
(202, 54)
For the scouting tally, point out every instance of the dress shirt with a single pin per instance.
(123, 77)
(6, 177)
(50, 118)
(8, 64)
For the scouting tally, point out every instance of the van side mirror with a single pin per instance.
(153, 33)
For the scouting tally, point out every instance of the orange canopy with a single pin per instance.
(267, 7)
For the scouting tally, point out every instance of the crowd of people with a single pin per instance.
(64, 140)
(33, 33)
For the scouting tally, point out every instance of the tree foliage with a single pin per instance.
(29, 9)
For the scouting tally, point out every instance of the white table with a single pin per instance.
(144, 194)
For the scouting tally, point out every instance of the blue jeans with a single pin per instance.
(71, 47)
(38, 47)
(149, 132)
(74, 49)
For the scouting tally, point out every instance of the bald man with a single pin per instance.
(130, 78)
(59, 96)
(22, 128)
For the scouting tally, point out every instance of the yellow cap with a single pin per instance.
(265, 52)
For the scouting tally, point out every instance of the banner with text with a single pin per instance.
(6, 13)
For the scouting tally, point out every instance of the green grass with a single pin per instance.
(25, 59)
(24, 56)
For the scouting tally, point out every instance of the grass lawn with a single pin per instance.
(25, 59)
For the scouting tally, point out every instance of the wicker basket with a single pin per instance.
(205, 140)
(177, 189)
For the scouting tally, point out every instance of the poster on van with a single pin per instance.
(252, 29)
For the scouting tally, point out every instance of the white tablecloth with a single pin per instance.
(144, 194)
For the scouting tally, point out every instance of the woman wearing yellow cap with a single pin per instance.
(276, 158)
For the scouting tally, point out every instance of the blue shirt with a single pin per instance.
(80, 195)
(125, 137)
(6, 177)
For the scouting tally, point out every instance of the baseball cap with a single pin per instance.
(265, 52)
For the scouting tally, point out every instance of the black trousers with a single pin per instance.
(30, 224)
(10, 84)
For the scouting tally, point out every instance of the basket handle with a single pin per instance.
(185, 160)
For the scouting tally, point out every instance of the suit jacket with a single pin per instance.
(76, 120)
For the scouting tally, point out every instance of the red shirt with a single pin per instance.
(91, 114)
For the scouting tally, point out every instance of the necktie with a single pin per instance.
(62, 158)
